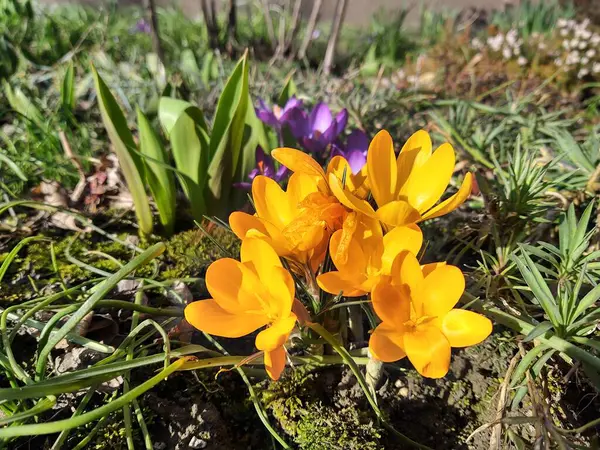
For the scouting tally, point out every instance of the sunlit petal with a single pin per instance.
(300, 186)
(391, 304)
(441, 290)
(398, 240)
(428, 350)
(298, 161)
(453, 202)
(426, 184)
(350, 259)
(463, 328)
(348, 199)
(275, 335)
(398, 213)
(334, 283)
(208, 316)
(406, 271)
(275, 362)
(231, 285)
(428, 268)
(386, 344)
(241, 222)
(271, 201)
(414, 154)
(381, 166)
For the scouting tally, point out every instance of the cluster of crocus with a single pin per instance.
(367, 220)
(318, 132)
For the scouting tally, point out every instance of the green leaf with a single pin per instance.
(186, 128)
(288, 91)
(226, 138)
(67, 94)
(13, 166)
(538, 330)
(590, 298)
(19, 102)
(524, 364)
(122, 140)
(160, 180)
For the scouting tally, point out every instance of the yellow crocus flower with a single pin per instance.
(416, 307)
(246, 296)
(363, 256)
(407, 188)
(297, 222)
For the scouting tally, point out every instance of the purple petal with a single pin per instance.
(358, 140)
(341, 120)
(292, 103)
(328, 135)
(281, 173)
(312, 145)
(253, 174)
(298, 123)
(357, 159)
(320, 118)
(265, 114)
(244, 185)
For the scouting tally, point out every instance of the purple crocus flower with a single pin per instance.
(355, 150)
(276, 117)
(319, 129)
(142, 26)
(264, 166)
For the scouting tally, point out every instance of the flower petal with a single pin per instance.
(428, 350)
(381, 166)
(453, 202)
(232, 285)
(398, 240)
(398, 213)
(208, 316)
(334, 283)
(391, 304)
(275, 335)
(414, 153)
(275, 362)
(386, 344)
(407, 271)
(426, 184)
(441, 290)
(348, 199)
(298, 161)
(347, 254)
(463, 328)
(300, 186)
(271, 202)
(241, 223)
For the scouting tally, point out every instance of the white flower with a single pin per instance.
(590, 53)
(582, 45)
(585, 23)
(476, 43)
(522, 61)
(541, 45)
(574, 43)
(595, 40)
(582, 73)
(511, 36)
(586, 34)
(506, 53)
(561, 23)
(558, 62)
(570, 23)
(564, 32)
(516, 51)
(596, 67)
(496, 42)
(584, 60)
(572, 58)
(566, 45)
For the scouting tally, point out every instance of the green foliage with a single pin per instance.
(530, 17)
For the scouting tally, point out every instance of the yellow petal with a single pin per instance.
(406, 271)
(381, 167)
(415, 152)
(275, 335)
(428, 350)
(453, 202)
(299, 187)
(407, 238)
(398, 213)
(428, 268)
(298, 162)
(349, 200)
(232, 285)
(428, 183)
(391, 304)
(355, 183)
(463, 328)
(271, 202)
(208, 316)
(275, 362)
(261, 256)
(441, 290)
(334, 283)
(350, 260)
(386, 344)
(241, 223)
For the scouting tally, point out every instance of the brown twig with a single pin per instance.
(152, 19)
(495, 442)
(336, 26)
(294, 28)
(79, 188)
(310, 28)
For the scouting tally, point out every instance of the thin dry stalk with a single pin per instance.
(495, 438)
(336, 26)
(152, 19)
(310, 29)
(78, 191)
(291, 37)
(269, 22)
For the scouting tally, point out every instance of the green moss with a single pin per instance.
(311, 423)
(188, 253)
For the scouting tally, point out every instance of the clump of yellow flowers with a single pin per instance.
(368, 222)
